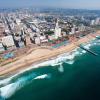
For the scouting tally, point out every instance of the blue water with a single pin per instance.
(76, 77)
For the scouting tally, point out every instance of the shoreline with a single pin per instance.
(41, 55)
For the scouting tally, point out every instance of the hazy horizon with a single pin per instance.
(74, 4)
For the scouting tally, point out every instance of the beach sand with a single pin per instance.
(41, 54)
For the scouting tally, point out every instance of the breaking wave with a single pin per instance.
(61, 68)
(8, 88)
(7, 80)
(43, 76)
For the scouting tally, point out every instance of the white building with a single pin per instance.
(97, 21)
(37, 40)
(43, 39)
(18, 21)
(72, 31)
(8, 41)
(57, 31)
(93, 22)
(82, 28)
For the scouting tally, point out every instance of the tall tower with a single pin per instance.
(57, 30)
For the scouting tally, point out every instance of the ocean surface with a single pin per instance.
(70, 76)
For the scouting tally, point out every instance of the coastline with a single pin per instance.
(40, 55)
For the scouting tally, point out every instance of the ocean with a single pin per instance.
(70, 76)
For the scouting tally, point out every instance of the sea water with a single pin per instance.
(69, 76)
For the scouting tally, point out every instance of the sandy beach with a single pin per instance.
(41, 54)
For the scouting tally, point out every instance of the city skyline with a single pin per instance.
(77, 4)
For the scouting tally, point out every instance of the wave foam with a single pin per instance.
(42, 76)
(88, 46)
(9, 89)
(7, 80)
(61, 68)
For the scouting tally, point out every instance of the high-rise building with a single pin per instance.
(92, 22)
(97, 21)
(72, 30)
(57, 31)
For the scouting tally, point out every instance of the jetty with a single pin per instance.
(88, 50)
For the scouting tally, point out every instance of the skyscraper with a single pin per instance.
(57, 30)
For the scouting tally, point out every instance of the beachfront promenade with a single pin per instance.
(41, 54)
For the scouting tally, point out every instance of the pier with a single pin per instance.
(98, 37)
(90, 51)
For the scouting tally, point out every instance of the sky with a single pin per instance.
(83, 4)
